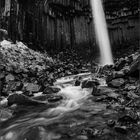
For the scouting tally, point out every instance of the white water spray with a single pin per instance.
(101, 32)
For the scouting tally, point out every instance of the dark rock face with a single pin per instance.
(95, 91)
(90, 83)
(77, 82)
(51, 90)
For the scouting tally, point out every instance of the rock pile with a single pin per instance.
(25, 73)
(124, 68)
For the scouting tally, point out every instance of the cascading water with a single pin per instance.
(101, 32)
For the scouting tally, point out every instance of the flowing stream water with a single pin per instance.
(64, 121)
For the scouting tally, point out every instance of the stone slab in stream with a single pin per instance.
(21, 99)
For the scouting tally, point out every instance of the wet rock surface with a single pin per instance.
(28, 96)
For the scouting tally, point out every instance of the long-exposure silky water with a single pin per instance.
(101, 32)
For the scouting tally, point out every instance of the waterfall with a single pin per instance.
(101, 32)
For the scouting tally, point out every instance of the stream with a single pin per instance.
(68, 120)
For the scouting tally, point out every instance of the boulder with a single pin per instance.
(90, 83)
(2, 75)
(3, 34)
(120, 64)
(95, 91)
(114, 75)
(12, 86)
(5, 115)
(51, 90)
(31, 87)
(116, 83)
(77, 82)
(9, 77)
(21, 99)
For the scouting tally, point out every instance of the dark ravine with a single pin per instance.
(36, 104)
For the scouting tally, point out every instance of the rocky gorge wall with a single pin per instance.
(60, 24)
(124, 30)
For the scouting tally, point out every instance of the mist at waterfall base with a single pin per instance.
(101, 32)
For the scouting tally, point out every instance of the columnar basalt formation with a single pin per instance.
(60, 24)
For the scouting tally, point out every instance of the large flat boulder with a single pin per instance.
(116, 83)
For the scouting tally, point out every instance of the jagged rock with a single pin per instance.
(9, 77)
(129, 59)
(116, 83)
(32, 87)
(120, 64)
(21, 99)
(51, 89)
(114, 75)
(12, 86)
(77, 82)
(95, 91)
(18, 86)
(90, 83)
(21, 57)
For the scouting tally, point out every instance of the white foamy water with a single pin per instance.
(101, 32)
(74, 97)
